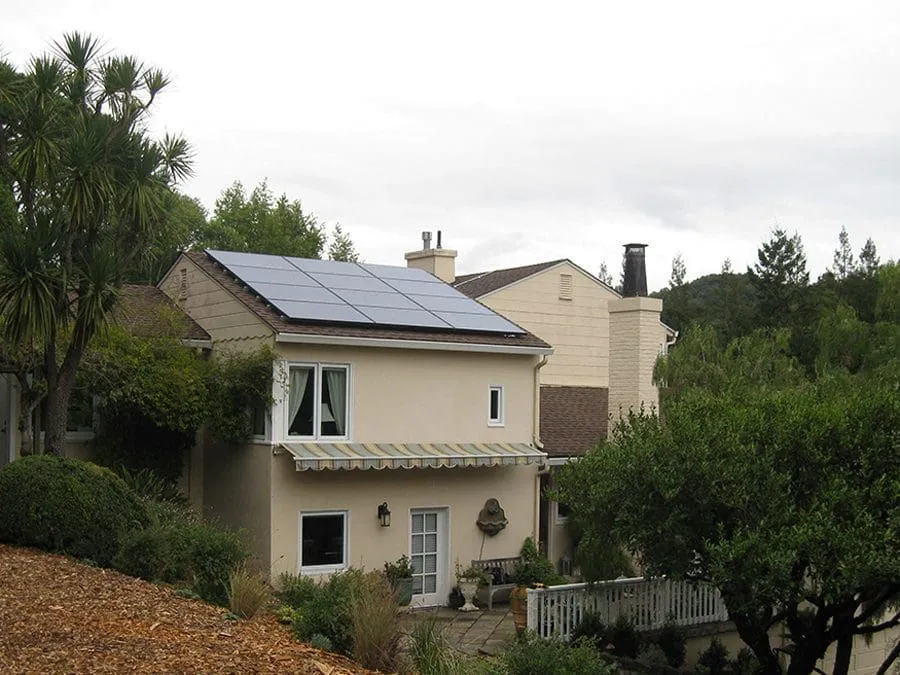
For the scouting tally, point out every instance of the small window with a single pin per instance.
(82, 413)
(317, 401)
(495, 407)
(258, 415)
(562, 513)
(565, 286)
(323, 541)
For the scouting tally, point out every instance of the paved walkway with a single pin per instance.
(479, 632)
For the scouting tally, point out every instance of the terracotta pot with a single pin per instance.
(518, 604)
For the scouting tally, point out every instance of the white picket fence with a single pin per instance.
(649, 603)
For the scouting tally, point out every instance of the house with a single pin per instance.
(605, 345)
(401, 408)
(142, 310)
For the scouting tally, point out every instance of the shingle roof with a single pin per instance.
(147, 311)
(476, 285)
(280, 324)
(573, 419)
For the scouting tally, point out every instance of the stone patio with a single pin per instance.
(479, 632)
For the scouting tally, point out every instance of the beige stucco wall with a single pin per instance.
(635, 342)
(226, 319)
(237, 490)
(410, 396)
(577, 329)
(463, 490)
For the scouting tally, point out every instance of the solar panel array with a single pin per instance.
(358, 293)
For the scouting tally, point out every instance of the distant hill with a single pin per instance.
(727, 302)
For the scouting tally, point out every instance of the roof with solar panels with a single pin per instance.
(301, 296)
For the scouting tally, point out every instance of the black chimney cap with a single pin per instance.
(634, 282)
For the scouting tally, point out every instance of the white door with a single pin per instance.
(428, 555)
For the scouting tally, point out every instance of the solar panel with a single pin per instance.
(339, 292)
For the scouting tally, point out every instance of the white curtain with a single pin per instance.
(337, 392)
(299, 378)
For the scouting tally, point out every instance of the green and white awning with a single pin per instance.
(321, 456)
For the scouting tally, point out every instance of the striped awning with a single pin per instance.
(321, 456)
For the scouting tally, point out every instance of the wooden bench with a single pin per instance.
(500, 572)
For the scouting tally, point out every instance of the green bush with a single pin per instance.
(533, 656)
(329, 610)
(672, 641)
(66, 505)
(534, 567)
(150, 485)
(591, 627)
(653, 656)
(178, 547)
(714, 660)
(745, 663)
(625, 639)
(295, 590)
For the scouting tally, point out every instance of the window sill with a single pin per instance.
(313, 570)
(496, 424)
(315, 439)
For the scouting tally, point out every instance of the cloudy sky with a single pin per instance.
(528, 132)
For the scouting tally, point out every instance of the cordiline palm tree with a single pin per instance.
(82, 194)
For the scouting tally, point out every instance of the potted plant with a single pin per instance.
(532, 569)
(469, 581)
(399, 575)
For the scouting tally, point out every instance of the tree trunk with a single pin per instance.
(842, 655)
(757, 639)
(58, 414)
(895, 653)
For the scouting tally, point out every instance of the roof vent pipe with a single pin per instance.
(426, 240)
(634, 281)
(439, 239)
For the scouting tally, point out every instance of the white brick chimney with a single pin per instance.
(439, 261)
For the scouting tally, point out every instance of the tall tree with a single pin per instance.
(844, 264)
(260, 223)
(781, 491)
(341, 246)
(779, 276)
(726, 266)
(679, 271)
(868, 258)
(89, 187)
(604, 275)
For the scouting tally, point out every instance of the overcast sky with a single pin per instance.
(532, 132)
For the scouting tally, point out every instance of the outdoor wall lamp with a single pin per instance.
(384, 514)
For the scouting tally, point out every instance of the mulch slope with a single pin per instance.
(58, 615)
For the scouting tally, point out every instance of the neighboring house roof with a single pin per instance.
(573, 419)
(280, 324)
(147, 311)
(482, 283)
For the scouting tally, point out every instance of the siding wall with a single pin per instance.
(578, 329)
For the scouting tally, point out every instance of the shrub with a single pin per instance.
(247, 592)
(591, 627)
(625, 639)
(714, 660)
(672, 641)
(295, 590)
(533, 656)
(652, 655)
(150, 485)
(66, 505)
(319, 641)
(376, 624)
(329, 610)
(745, 663)
(178, 547)
(534, 568)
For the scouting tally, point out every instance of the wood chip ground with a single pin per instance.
(61, 616)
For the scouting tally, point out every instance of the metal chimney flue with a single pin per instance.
(426, 240)
(439, 239)
(634, 281)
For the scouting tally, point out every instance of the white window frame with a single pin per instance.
(267, 432)
(322, 569)
(317, 369)
(501, 408)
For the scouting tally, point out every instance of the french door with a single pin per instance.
(428, 554)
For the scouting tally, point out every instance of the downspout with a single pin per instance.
(536, 438)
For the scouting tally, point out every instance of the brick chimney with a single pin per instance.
(636, 337)
(439, 261)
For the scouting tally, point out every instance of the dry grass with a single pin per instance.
(376, 624)
(247, 592)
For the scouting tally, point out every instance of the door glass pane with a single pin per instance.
(430, 583)
(430, 564)
(417, 564)
(417, 544)
(417, 522)
(431, 522)
(430, 543)
(417, 584)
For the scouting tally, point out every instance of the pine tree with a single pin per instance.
(868, 258)
(779, 277)
(726, 266)
(604, 275)
(679, 271)
(844, 263)
(341, 247)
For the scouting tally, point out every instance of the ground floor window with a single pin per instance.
(323, 541)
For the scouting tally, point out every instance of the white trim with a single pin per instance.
(501, 407)
(317, 368)
(386, 343)
(558, 461)
(311, 570)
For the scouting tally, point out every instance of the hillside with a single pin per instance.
(59, 615)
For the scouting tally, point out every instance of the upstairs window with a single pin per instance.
(495, 406)
(318, 405)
